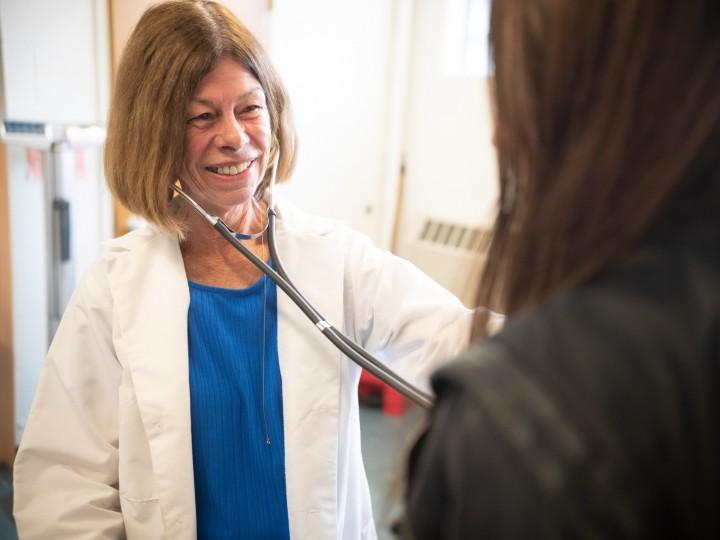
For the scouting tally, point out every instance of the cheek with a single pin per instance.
(264, 132)
(266, 144)
(193, 148)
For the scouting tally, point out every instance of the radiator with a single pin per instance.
(452, 254)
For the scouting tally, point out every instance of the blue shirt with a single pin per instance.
(236, 413)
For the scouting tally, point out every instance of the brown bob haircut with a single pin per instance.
(174, 45)
(608, 135)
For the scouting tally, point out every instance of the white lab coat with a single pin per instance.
(107, 449)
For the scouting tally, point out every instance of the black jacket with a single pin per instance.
(594, 415)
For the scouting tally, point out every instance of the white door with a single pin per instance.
(335, 57)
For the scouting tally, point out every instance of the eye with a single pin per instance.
(200, 118)
(250, 110)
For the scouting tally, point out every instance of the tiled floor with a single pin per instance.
(384, 438)
(385, 441)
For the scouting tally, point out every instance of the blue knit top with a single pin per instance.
(236, 413)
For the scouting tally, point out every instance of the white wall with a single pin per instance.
(335, 58)
(55, 63)
(48, 46)
(369, 85)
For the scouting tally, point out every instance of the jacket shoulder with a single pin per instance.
(296, 221)
(137, 239)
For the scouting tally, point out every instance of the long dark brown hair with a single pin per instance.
(608, 124)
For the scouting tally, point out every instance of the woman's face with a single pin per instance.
(228, 138)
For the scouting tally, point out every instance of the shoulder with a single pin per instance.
(140, 249)
(486, 456)
(138, 240)
(619, 349)
(660, 303)
(126, 258)
(295, 222)
(607, 376)
(334, 238)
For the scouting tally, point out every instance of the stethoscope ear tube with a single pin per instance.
(353, 351)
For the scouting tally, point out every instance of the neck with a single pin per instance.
(211, 260)
(248, 219)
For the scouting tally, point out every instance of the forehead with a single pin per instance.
(228, 79)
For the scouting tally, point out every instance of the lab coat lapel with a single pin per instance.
(152, 299)
(311, 378)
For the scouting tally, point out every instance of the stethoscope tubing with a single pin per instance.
(348, 347)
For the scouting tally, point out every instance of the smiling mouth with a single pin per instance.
(231, 171)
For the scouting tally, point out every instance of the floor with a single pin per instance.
(385, 441)
(384, 438)
(7, 527)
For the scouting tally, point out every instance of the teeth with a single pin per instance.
(231, 171)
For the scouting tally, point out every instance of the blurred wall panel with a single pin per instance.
(55, 71)
(7, 393)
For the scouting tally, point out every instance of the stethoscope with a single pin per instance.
(280, 277)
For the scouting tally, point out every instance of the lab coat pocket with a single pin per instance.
(143, 519)
(138, 495)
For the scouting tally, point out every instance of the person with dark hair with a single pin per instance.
(594, 413)
(182, 396)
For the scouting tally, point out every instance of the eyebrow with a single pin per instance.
(209, 103)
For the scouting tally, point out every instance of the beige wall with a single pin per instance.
(124, 15)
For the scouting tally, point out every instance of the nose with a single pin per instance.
(232, 134)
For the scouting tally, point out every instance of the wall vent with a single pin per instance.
(452, 254)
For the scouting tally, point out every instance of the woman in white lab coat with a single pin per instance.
(115, 446)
